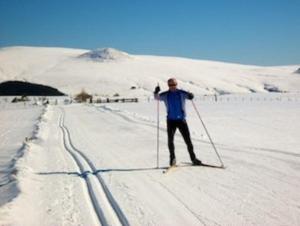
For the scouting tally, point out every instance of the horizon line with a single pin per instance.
(138, 54)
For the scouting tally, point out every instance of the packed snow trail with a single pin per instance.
(123, 150)
(111, 176)
(53, 192)
(105, 206)
(145, 183)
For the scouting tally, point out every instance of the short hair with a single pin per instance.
(172, 80)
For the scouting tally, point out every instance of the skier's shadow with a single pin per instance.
(101, 171)
(83, 175)
(128, 170)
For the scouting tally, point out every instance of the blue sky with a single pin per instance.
(261, 32)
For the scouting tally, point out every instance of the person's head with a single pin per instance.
(172, 83)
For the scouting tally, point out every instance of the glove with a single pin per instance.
(190, 96)
(157, 90)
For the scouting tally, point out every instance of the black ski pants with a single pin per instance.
(172, 125)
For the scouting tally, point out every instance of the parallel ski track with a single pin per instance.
(246, 149)
(200, 218)
(107, 210)
(166, 171)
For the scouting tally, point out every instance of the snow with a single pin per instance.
(17, 122)
(96, 164)
(109, 71)
(105, 54)
(97, 160)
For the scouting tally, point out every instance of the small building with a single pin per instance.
(83, 97)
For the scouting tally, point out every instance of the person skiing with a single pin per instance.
(174, 100)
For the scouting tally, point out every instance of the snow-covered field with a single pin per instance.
(81, 164)
(96, 164)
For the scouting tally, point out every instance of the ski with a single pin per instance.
(203, 165)
(186, 164)
(169, 169)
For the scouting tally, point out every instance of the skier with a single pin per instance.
(174, 100)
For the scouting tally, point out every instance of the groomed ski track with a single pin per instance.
(178, 214)
(106, 208)
(125, 152)
(97, 163)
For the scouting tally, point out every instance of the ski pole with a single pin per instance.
(157, 138)
(212, 143)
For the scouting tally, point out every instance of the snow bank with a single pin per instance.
(19, 125)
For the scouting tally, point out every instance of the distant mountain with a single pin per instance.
(105, 54)
(20, 88)
(109, 71)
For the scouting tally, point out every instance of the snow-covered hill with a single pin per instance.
(109, 71)
(99, 161)
(105, 54)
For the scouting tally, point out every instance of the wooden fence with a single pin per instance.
(117, 100)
